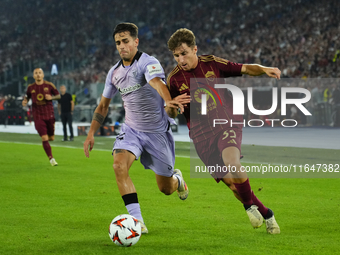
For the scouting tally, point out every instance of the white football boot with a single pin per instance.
(182, 190)
(53, 162)
(271, 225)
(143, 227)
(255, 216)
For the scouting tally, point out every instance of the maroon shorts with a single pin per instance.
(210, 150)
(45, 127)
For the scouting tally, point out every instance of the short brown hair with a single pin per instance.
(182, 35)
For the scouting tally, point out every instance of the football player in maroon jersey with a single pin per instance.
(216, 145)
(42, 93)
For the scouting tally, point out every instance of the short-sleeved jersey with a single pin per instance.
(210, 68)
(42, 108)
(144, 107)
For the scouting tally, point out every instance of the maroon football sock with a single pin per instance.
(262, 209)
(47, 149)
(244, 191)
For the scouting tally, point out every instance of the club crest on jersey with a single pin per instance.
(40, 97)
(210, 75)
(46, 89)
(33, 91)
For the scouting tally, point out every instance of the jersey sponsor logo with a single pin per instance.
(129, 89)
(46, 89)
(155, 69)
(183, 87)
(40, 97)
(33, 91)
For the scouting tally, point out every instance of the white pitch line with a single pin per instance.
(178, 156)
(72, 147)
(54, 145)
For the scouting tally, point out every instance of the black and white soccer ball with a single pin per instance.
(125, 230)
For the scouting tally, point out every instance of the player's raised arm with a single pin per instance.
(256, 70)
(97, 120)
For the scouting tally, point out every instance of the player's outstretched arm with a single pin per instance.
(183, 99)
(256, 70)
(49, 97)
(97, 120)
(159, 85)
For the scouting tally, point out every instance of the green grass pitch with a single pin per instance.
(67, 209)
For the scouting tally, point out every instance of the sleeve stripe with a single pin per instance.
(50, 83)
(173, 72)
(213, 58)
(207, 58)
(222, 62)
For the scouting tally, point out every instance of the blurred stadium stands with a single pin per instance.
(301, 37)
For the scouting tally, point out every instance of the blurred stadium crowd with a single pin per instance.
(301, 37)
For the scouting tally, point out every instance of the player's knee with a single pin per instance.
(232, 187)
(236, 170)
(120, 169)
(44, 138)
(228, 182)
(51, 138)
(232, 163)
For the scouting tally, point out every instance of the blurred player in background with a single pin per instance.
(42, 93)
(219, 145)
(65, 109)
(146, 132)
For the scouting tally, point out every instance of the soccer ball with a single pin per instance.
(125, 230)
